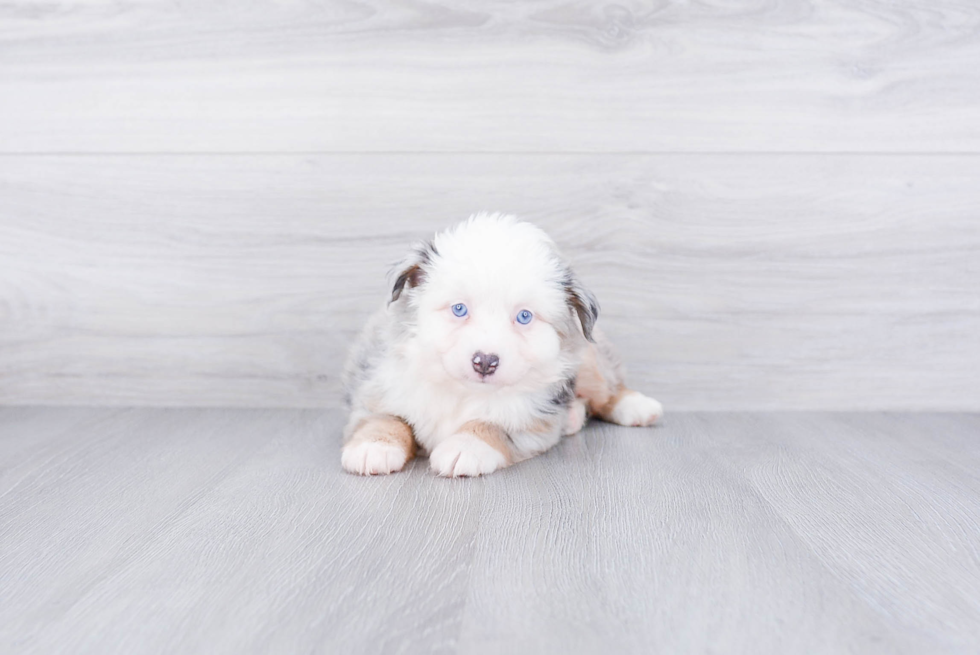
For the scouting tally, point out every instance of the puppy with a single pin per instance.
(485, 355)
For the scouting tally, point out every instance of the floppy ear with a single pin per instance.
(583, 302)
(411, 276)
(412, 269)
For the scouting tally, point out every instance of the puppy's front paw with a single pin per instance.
(464, 454)
(373, 457)
(636, 410)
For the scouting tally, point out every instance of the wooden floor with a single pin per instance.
(235, 531)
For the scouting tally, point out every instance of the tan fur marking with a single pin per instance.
(541, 426)
(590, 383)
(601, 395)
(492, 435)
(386, 429)
(605, 411)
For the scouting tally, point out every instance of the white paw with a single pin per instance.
(465, 455)
(576, 418)
(636, 410)
(373, 457)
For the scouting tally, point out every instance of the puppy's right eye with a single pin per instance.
(459, 309)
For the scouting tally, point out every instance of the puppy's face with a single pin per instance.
(494, 305)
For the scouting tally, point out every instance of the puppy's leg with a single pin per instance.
(600, 383)
(578, 414)
(378, 445)
(477, 448)
(628, 407)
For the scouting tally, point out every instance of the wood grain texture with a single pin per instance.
(463, 76)
(728, 282)
(235, 531)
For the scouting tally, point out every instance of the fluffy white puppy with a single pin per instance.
(485, 355)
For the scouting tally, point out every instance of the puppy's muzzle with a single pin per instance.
(485, 364)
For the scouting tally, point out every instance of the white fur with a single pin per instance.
(414, 359)
(637, 410)
(578, 414)
(496, 266)
(464, 455)
(372, 457)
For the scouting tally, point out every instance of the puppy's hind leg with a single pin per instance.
(378, 445)
(600, 383)
(632, 408)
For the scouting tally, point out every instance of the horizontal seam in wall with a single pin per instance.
(555, 153)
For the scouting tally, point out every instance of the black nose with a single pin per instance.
(485, 364)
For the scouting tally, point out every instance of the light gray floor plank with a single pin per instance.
(732, 282)
(235, 531)
(294, 555)
(26, 433)
(469, 75)
(658, 543)
(85, 506)
(866, 505)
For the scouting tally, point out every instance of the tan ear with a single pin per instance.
(583, 302)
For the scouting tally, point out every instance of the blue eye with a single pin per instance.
(459, 309)
(524, 317)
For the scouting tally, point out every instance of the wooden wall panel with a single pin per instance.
(475, 76)
(728, 281)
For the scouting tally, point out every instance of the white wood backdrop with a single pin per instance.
(777, 203)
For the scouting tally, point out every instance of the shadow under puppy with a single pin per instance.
(486, 354)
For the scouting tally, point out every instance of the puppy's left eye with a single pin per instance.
(524, 317)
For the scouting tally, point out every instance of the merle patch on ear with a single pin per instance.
(413, 273)
(412, 276)
(583, 302)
